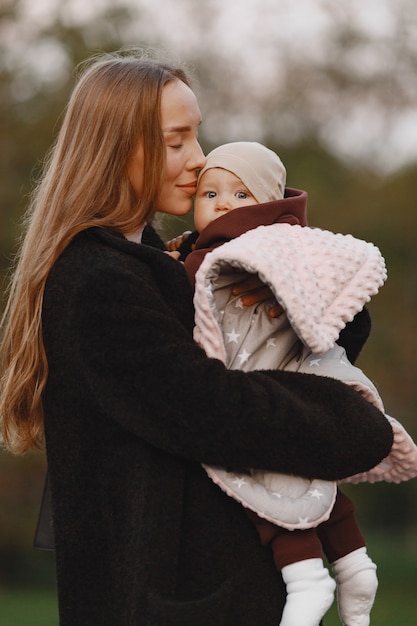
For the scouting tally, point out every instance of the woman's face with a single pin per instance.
(180, 120)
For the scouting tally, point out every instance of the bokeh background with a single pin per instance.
(332, 87)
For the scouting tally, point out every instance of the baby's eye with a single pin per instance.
(211, 194)
(242, 195)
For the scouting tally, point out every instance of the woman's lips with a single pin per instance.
(189, 188)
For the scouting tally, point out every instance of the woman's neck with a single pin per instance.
(135, 236)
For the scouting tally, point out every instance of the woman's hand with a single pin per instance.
(254, 291)
(174, 254)
(173, 244)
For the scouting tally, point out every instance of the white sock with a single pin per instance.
(310, 593)
(356, 587)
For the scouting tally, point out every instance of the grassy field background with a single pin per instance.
(28, 607)
(396, 602)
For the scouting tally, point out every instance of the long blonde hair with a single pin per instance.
(115, 104)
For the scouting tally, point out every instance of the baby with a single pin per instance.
(262, 230)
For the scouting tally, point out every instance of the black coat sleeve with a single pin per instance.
(118, 334)
(187, 246)
(144, 371)
(353, 337)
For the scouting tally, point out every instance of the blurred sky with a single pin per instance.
(250, 34)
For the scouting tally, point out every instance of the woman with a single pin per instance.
(98, 358)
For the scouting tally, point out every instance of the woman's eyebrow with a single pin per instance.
(178, 129)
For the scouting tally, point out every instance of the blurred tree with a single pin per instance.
(343, 73)
(36, 76)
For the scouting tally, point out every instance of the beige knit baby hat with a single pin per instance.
(258, 167)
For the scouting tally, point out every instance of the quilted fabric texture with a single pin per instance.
(400, 465)
(289, 501)
(320, 278)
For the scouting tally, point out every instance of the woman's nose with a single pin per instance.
(198, 159)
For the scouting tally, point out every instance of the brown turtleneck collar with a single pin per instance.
(292, 209)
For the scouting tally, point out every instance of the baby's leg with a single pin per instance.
(344, 545)
(356, 587)
(298, 555)
(310, 593)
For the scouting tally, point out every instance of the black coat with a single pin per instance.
(132, 407)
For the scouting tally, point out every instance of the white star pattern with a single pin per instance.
(314, 363)
(303, 520)
(233, 336)
(277, 494)
(239, 303)
(244, 356)
(270, 343)
(239, 482)
(315, 493)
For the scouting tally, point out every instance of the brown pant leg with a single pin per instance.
(340, 534)
(288, 546)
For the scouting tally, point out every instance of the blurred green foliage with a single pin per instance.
(343, 196)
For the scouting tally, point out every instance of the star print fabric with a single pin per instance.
(288, 501)
(322, 280)
(253, 339)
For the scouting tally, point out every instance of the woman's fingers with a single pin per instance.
(254, 291)
(248, 284)
(263, 295)
(173, 253)
(257, 295)
(276, 310)
(174, 244)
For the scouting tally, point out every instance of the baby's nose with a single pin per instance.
(223, 204)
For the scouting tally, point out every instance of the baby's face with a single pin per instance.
(218, 192)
